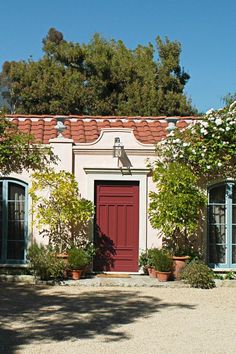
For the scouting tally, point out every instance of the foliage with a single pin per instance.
(230, 275)
(218, 276)
(60, 212)
(187, 160)
(162, 261)
(19, 150)
(44, 262)
(229, 98)
(198, 275)
(207, 148)
(78, 258)
(175, 207)
(102, 77)
(151, 256)
(143, 259)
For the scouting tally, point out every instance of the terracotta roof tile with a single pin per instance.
(86, 129)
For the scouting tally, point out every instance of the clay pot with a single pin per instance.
(152, 272)
(76, 274)
(163, 276)
(179, 262)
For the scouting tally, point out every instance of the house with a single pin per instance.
(108, 156)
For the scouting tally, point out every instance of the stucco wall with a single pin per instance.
(95, 161)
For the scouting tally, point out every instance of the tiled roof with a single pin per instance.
(86, 129)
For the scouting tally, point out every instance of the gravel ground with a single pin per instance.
(70, 319)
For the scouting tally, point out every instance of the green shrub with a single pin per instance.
(198, 275)
(152, 254)
(143, 259)
(78, 258)
(230, 275)
(218, 276)
(162, 261)
(44, 262)
(157, 258)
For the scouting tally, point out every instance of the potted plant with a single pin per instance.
(163, 265)
(143, 262)
(63, 217)
(78, 259)
(176, 209)
(152, 254)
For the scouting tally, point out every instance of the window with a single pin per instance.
(13, 221)
(222, 225)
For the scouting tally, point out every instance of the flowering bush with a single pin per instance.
(186, 160)
(207, 147)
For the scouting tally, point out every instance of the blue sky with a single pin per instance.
(205, 28)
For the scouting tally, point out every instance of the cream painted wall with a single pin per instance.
(95, 161)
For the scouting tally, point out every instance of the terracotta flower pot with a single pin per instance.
(76, 274)
(163, 276)
(179, 262)
(152, 272)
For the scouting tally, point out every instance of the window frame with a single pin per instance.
(228, 264)
(5, 188)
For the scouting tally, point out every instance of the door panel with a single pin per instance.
(116, 230)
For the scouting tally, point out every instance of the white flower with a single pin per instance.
(209, 111)
(203, 131)
(208, 167)
(176, 141)
(218, 121)
(232, 106)
(204, 124)
(171, 133)
(227, 129)
(185, 144)
(219, 164)
(162, 142)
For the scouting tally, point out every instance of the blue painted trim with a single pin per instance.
(5, 185)
(228, 225)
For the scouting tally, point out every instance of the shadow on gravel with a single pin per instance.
(30, 314)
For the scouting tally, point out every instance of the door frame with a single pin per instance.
(115, 174)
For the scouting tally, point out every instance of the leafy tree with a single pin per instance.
(176, 207)
(229, 98)
(61, 214)
(101, 77)
(19, 151)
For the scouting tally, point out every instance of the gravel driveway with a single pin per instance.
(70, 319)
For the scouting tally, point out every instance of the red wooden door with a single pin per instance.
(117, 226)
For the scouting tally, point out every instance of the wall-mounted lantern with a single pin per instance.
(118, 148)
